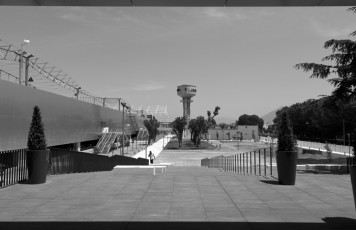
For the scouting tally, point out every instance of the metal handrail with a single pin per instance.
(247, 163)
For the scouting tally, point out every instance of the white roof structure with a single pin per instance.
(160, 112)
(45, 76)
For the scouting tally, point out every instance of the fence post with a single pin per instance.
(240, 163)
(251, 167)
(254, 156)
(243, 163)
(229, 163)
(271, 156)
(265, 163)
(259, 162)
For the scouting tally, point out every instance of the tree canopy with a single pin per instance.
(200, 125)
(341, 73)
(178, 127)
(250, 120)
(321, 119)
(152, 126)
(197, 127)
(210, 121)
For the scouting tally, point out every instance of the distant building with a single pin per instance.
(249, 132)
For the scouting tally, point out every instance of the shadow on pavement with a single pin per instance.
(340, 222)
(330, 223)
(273, 182)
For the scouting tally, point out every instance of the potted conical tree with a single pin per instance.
(352, 168)
(37, 154)
(286, 153)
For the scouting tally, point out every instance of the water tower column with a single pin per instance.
(186, 108)
(186, 92)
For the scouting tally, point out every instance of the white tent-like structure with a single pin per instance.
(160, 112)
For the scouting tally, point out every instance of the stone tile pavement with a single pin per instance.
(182, 198)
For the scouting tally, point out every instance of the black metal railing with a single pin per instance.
(64, 161)
(13, 164)
(13, 168)
(259, 162)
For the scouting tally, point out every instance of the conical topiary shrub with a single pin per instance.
(286, 151)
(286, 140)
(37, 154)
(36, 136)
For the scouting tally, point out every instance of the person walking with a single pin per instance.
(328, 152)
(152, 156)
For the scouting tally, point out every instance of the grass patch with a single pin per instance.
(188, 145)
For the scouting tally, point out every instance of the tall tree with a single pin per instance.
(210, 120)
(178, 128)
(343, 55)
(152, 126)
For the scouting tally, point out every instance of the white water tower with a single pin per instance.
(186, 92)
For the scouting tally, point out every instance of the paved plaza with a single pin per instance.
(184, 197)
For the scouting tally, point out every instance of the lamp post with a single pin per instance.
(123, 124)
(26, 69)
(348, 135)
(77, 93)
(21, 55)
(131, 141)
(146, 147)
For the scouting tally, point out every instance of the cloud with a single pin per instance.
(149, 86)
(73, 17)
(215, 13)
(226, 14)
(329, 31)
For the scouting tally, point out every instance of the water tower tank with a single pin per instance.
(186, 92)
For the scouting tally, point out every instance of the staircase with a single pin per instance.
(105, 142)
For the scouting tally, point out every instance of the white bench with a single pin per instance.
(167, 164)
(126, 168)
(164, 164)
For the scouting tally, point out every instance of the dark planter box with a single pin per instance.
(37, 164)
(286, 167)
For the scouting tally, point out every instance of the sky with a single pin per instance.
(240, 59)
